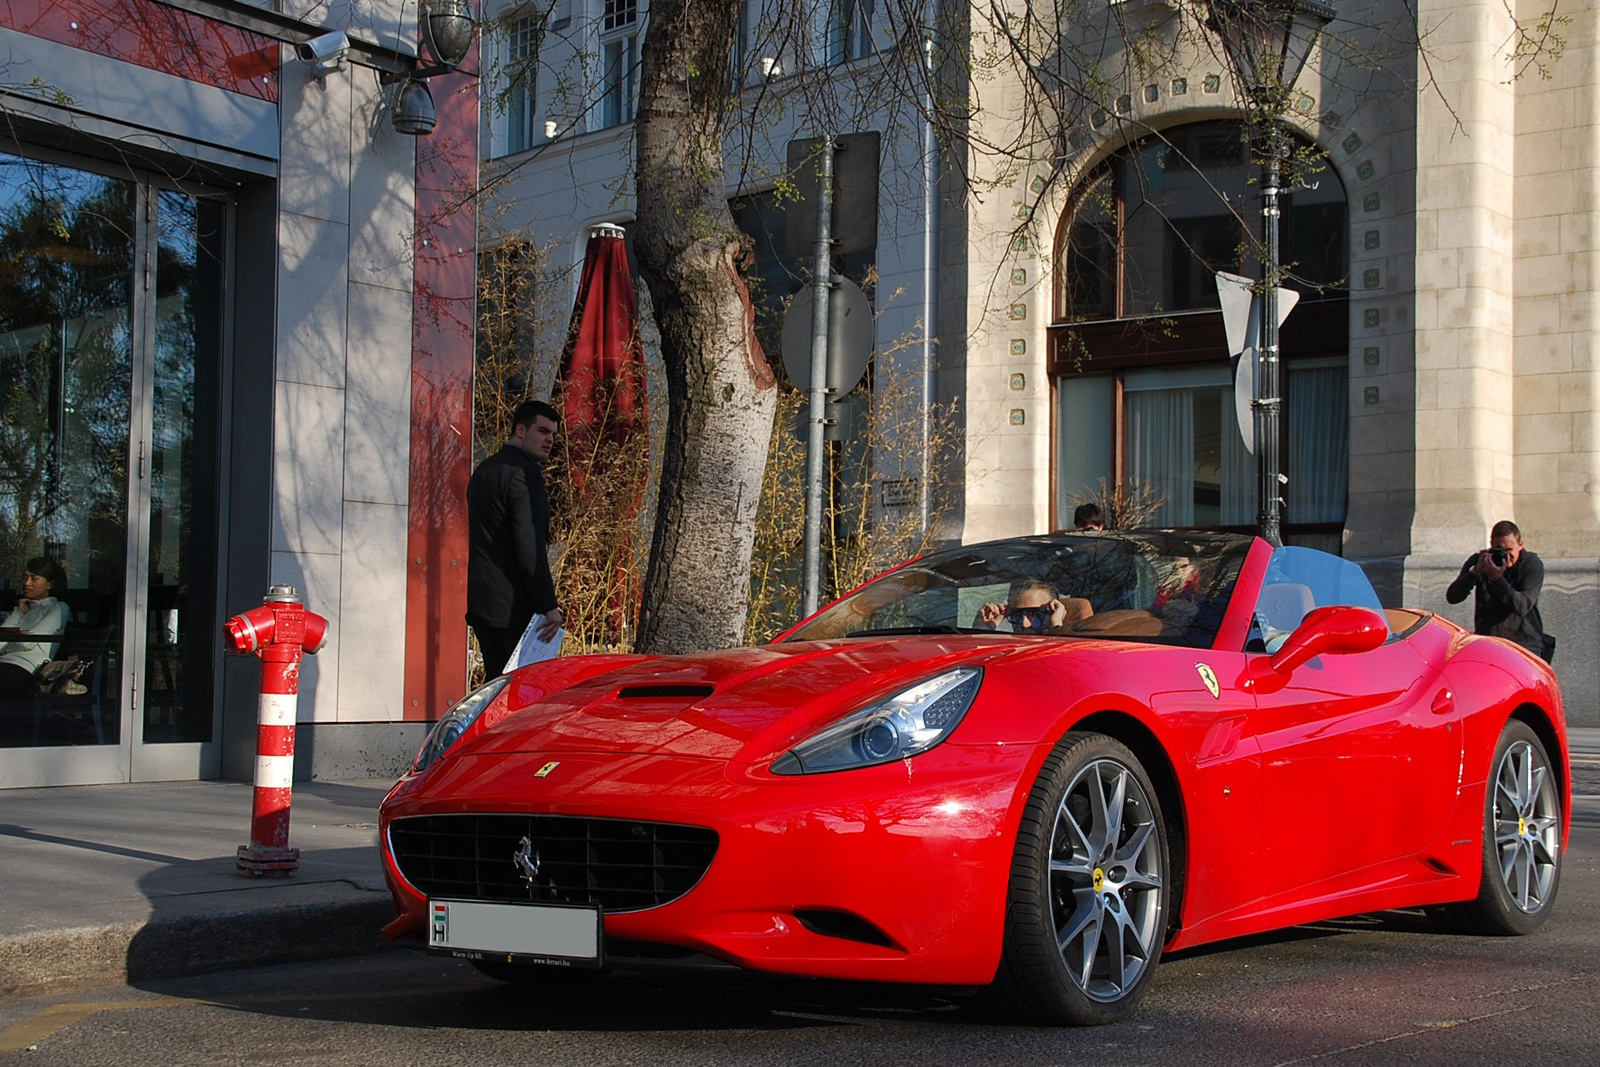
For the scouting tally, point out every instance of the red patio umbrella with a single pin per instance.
(600, 393)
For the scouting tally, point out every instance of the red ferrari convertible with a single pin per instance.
(1033, 764)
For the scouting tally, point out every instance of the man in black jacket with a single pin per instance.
(1506, 579)
(508, 529)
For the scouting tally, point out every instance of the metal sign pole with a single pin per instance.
(817, 417)
(1269, 401)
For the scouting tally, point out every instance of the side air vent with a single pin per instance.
(843, 925)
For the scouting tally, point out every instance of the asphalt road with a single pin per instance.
(1374, 989)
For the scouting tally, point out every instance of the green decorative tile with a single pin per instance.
(1019, 346)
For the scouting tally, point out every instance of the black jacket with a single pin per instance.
(508, 531)
(1508, 606)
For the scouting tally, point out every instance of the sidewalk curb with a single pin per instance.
(186, 945)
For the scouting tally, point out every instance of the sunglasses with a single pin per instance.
(1030, 618)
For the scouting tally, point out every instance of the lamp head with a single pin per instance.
(413, 112)
(449, 26)
(1268, 41)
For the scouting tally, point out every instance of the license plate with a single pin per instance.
(563, 935)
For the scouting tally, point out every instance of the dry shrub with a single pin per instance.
(863, 530)
(1126, 505)
(597, 491)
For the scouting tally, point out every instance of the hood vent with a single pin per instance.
(665, 692)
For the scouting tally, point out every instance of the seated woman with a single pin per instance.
(37, 614)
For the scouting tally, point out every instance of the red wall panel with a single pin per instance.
(442, 355)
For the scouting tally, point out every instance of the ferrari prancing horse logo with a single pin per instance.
(547, 768)
(526, 861)
(1209, 676)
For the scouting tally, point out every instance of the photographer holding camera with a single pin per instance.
(1506, 579)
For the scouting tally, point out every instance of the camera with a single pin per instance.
(324, 54)
(1499, 555)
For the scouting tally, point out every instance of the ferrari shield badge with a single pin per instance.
(1209, 676)
(547, 768)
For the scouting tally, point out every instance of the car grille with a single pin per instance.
(619, 864)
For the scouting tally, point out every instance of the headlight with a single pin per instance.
(462, 714)
(906, 724)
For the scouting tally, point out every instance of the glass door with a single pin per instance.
(175, 705)
(110, 338)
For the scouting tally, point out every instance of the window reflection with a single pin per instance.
(1150, 229)
(177, 705)
(66, 269)
(90, 410)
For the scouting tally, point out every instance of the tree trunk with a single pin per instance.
(721, 392)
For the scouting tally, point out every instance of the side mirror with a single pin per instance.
(1337, 630)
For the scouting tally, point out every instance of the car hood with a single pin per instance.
(738, 704)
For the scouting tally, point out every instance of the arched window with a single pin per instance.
(1138, 357)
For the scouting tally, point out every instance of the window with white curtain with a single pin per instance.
(1319, 475)
(519, 72)
(1180, 439)
(1183, 442)
(619, 61)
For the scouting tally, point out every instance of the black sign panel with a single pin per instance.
(855, 194)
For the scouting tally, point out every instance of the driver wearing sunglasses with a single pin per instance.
(1032, 607)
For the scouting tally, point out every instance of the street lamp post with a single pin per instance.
(1267, 43)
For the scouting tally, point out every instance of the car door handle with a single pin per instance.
(1444, 702)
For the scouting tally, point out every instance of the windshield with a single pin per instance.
(1170, 588)
(1299, 580)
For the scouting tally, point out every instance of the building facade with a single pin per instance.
(1438, 219)
(236, 354)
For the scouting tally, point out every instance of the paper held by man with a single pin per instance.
(533, 648)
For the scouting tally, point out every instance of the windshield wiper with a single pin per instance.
(903, 631)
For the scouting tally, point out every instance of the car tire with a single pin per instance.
(1090, 861)
(1521, 842)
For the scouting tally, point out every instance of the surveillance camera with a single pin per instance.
(326, 52)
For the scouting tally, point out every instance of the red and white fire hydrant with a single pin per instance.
(279, 631)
